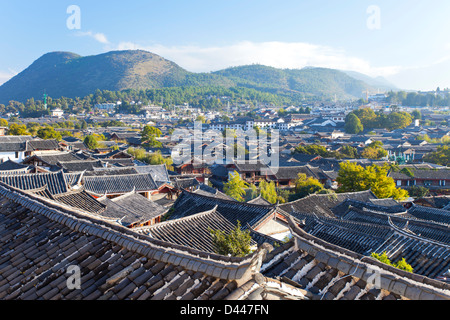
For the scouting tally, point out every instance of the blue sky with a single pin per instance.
(406, 41)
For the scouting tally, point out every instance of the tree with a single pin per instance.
(149, 135)
(418, 192)
(417, 115)
(305, 185)
(441, 156)
(374, 151)
(235, 187)
(353, 125)
(314, 149)
(401, 264)
(354, 178)
(48, 132)
(3, 122)
(268, 191)
(236, 243)
(18, 130)
(348, 151)
(91, 142)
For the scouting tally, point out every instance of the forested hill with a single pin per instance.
(65, 74)
(70, 75)
(321, 82)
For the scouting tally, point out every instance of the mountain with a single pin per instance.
(378, 83)
(71, 75)
(310, 81)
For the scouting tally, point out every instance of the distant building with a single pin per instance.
(107, 107)
(57, 113)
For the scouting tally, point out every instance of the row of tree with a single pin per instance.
(366, 119)
(374, 151)
(132, 100)
(351, 178)
(439, 98)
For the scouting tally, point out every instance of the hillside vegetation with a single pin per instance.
(66, 74)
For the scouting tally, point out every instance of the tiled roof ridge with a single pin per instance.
(405, 284)
(402, 216)
(314, 195)
(273, 206)
(39, 173)
(370, 207)
(43, 188)
(223, 267)
(328, 220)
(191, 217)
(120, 175)
(406, 232)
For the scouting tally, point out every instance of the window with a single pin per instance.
(17, 155)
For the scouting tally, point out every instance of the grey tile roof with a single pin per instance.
(80, 199)
(422, 174)
(119, 184)
(12, 166)
(132, 208)
(322, 204)
(328, 272)
(188, 204)
(54, 181)
(40, 242)
(158, 172)
(80, 165)
(192, 231)
(40, 144)
(53, 159)
(430, 214)
(13, 146)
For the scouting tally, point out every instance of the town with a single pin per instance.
(356, 208)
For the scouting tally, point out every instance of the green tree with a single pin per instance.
(353, 178)
(353, 124)
(91, 142)
(157, 158)
(305, 185)
(235, 187)
(236, 243)
(16, 129)
(149, 135)
(374, 151)
(401, 264)
(314, 149)
(268, 191)
(417, 115)
(441, 156)
(418, 192)
(3, 122)
(48, 132)
(349, 152)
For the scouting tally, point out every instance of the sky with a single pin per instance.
(405, 41)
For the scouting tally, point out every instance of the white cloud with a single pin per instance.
(6, 75)
(100, 37)
(294, 55)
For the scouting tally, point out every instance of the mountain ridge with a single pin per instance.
(68, 74)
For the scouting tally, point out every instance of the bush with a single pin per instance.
(401, 264)
(235, 244)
